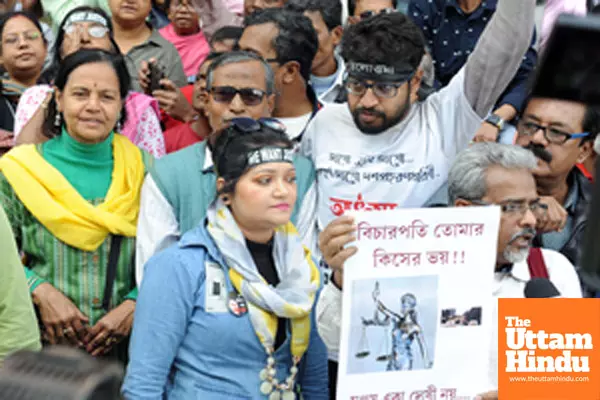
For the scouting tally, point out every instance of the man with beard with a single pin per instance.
(483, 174)
(561, 134)
(385, 149)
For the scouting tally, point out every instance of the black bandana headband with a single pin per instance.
(269, 155)
(380, 72)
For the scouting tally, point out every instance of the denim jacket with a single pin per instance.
(180, 351)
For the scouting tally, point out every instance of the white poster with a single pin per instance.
(417, 315)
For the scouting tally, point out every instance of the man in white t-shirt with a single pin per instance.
(484, 174)
(385, 149)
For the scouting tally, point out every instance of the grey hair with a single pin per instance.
(467, 177)
(238, 57)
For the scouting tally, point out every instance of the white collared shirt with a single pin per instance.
(331, 94)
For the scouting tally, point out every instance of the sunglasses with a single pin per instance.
(226, 94)
(249, 125)
(371, 13)
(95, 31)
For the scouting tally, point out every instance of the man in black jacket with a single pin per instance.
(561, 134)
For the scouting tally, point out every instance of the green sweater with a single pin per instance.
(87, 167)
(78, 274)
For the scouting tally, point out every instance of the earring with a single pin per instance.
(225, 199)
(57, 119)
(118, 128)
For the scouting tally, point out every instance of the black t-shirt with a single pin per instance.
(7, 116)
(262, 253)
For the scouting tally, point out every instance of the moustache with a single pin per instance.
(370, 111)
(539, 151)
(524, 233)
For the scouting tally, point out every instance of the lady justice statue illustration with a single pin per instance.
(405, 331)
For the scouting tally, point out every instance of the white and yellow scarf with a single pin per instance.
(294, 296)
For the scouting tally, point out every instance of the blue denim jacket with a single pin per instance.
(179, 350)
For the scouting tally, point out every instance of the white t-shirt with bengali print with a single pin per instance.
(401, 167)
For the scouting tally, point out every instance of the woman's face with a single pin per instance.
(85, 35)
(90, 102)
(264, 197)
(130, 11)
(23, 48)
(184, 17)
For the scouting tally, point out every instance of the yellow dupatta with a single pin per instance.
(47, 194)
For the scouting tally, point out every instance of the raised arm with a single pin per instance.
(498, 53)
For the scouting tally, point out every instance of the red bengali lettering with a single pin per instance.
(381, 258)
(394, 396)
(435, 257)
(448, 394)
(427, 394)
(338, 206)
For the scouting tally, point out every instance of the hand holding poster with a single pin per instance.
(417, 307)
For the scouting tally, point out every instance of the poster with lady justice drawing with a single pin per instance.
(417, 307)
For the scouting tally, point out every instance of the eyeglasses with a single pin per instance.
(552, 135)
(28, 36)
(226, 94)
(537, 208)
(95, 31)
(371, 13)
(380, 89)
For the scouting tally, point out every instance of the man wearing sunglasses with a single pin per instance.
(288, 42)
(359, 10)
(560, 133)
(180, 187)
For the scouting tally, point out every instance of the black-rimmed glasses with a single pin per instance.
(380, 89)
(552, 135)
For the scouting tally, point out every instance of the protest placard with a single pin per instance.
(418, 311)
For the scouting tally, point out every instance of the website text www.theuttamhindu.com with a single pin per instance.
(555, 379)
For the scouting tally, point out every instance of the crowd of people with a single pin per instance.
(175, 175)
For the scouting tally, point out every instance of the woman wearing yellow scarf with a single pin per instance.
(73, 205)
(228, 312)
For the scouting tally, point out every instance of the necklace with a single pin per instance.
(270, 386)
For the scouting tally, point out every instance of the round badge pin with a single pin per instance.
(237, 304)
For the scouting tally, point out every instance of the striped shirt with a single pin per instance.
(80, 275)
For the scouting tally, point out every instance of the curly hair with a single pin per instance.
(389, 39)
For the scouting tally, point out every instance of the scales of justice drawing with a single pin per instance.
(401, 327)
